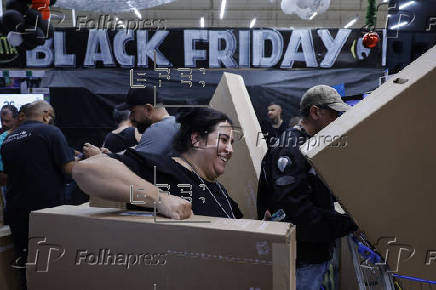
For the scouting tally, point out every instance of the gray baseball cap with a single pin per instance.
(323, 95)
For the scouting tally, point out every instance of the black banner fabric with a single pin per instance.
(83, 99)
(199, 48)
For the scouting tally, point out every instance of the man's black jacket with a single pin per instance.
(288, 182)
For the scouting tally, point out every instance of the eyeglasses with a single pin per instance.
(236, 132)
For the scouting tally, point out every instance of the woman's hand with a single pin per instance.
(174, 207)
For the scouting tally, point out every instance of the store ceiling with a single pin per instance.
(238, 13)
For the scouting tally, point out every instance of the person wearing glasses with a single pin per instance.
(204, 147)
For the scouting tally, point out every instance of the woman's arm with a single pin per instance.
(108, 178)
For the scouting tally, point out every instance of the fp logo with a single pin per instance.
(394, 253)
(41, 254)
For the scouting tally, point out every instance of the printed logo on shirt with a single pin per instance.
(17, 136)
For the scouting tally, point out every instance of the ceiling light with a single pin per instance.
(202, 22)
(252, 22)
(351, 23)
(313, 15)
(402, 6)
(73, 17)
(399, 25)
(137, 13)
(223, 8)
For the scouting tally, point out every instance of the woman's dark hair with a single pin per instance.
(120, 116)
(201, 120)
(11, 108)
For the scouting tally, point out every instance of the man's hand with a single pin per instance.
(90, 150)
(267, 216)
(174, 207)
(105, 150)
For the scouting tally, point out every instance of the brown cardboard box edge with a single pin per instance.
(391, 193)
(377, 99)
(242, 173)
(283, 267)
(102, 203)
(243, 225)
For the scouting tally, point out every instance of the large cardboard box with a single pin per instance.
(242, 173)
(383, 168)
(99, 202)
(9, 278)
(95, 248)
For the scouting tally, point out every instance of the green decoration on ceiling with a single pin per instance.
(371, 14)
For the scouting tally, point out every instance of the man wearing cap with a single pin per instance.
(148, 114)
(288, 182)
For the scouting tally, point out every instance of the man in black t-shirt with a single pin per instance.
(124, 136)
(275, 128)
(36, 156)
(289, 183)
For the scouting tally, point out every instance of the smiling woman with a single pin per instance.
(204, 147)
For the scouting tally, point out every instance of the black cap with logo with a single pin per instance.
(140, 96)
